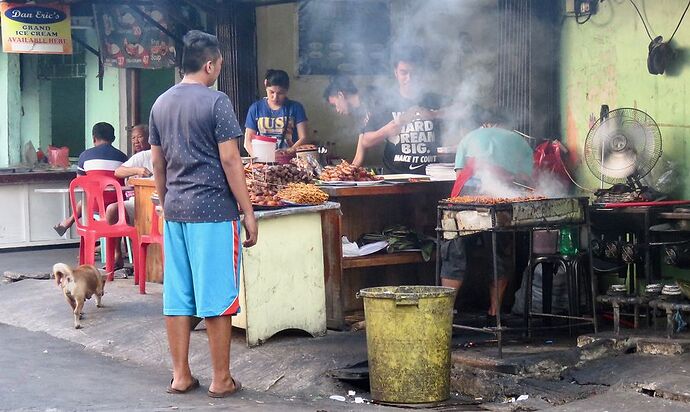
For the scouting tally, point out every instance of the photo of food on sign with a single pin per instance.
(130, 40)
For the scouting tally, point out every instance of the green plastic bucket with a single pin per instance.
(409, 331)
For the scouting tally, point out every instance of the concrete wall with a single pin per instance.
(604, 62)
(434, 25)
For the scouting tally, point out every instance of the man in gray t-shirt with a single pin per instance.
(200, 180)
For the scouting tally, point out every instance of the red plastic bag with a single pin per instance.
(58, 156)
(548, 159)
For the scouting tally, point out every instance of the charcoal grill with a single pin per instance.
(462, 219)
(468, 218)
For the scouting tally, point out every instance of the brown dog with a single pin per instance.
(78, 285)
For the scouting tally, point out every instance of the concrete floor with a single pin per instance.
(288, 370)
(41, 372)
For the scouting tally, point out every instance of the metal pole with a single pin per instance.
(499, 333)
(439, 232)
(592, 277)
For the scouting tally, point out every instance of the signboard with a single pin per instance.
(344, 37)
(128, 40)
(37, 29)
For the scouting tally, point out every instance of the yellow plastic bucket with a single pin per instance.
(409, 331)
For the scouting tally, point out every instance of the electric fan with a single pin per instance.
(621, 148)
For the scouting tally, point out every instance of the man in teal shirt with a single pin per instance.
(488, 161)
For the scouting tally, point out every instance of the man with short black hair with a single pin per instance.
(199, 177)
(408, 121)
(102, 158)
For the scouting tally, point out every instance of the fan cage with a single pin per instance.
(629, 119)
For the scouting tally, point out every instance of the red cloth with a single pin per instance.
(464, 176)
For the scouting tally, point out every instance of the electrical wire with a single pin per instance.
(565, 169)
(642, 19)
(679, 22)
(645, 24)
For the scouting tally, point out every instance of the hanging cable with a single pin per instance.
(645, 24)
(679, 22)
(642, 19)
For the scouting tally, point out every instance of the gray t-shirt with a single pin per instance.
(188, 122)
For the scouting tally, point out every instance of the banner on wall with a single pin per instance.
(128, 40)
(36, 29)
(344, 37)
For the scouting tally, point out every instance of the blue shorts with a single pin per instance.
(202, 269)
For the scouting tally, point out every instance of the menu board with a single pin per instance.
(128, 40)
(344, 37)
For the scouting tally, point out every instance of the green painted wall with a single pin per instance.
(101, 106)
(36, 104)
(68, 115)
(10, 110)
(604, 62)
(152, 83)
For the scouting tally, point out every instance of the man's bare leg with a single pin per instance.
(219, 330)
(67, 223)
(502, 285)
(178, 340)
(452, 283)
(111, 215)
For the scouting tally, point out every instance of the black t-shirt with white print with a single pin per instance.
(414, 147)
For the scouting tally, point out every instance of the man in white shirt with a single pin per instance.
(139, 165)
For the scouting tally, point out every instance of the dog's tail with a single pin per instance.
(61, 270)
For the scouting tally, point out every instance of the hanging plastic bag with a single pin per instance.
(550, 172)
(30, 156)
(58, 156)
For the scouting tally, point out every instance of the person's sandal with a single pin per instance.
(191, 387)
(237, 388)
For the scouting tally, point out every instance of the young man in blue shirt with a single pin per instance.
(200, 181)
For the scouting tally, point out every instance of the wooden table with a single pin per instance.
(282, 283)
(370, 209)
(143, 189)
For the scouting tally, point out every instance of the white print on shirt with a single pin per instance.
(413, 141)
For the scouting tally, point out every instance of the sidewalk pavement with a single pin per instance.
(131, 327)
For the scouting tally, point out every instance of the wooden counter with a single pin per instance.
(370, 209)
(143, 189)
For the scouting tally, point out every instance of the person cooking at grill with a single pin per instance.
(276, 115)
(344, 97)
(408, 123)
(488, 160)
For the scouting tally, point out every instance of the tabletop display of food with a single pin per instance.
(345, 172)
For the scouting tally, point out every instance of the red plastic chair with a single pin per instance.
(144, 241)
(96, 187)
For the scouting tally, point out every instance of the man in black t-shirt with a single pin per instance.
(408, 121)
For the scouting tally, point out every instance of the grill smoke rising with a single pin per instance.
(477, 54)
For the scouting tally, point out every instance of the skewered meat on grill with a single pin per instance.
(488, 201)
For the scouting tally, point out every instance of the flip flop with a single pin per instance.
(237, 388)
(61, 230)
(191, 387)
(116, 268)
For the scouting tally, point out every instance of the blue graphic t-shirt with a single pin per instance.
(281, 123)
